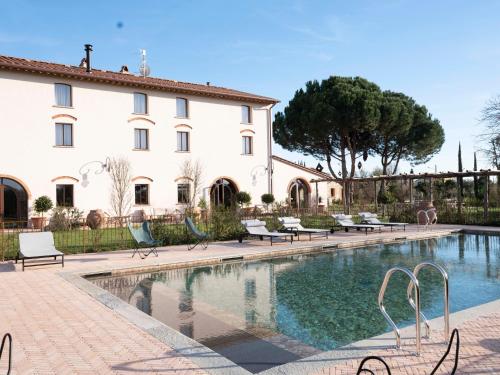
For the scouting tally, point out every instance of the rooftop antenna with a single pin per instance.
(144, 69)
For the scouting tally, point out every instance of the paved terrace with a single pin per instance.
(59, 329)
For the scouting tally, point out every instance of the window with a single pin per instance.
(183, 141)
(141, 139)
(140, 103)
(182, 107)
(247, 145)
(63, 95)
(64, 135)
(141, 194)
(64, 195)
(332, 192)
(183, 193)
(246, 114)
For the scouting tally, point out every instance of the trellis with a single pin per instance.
(410, 178)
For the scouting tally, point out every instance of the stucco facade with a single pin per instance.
(101, 116)
(286, 173)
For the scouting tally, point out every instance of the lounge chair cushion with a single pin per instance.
(370, 218)
(346, 221)
(253, 223)
(290, 223)
(258, 228)
(289, 220)
(343, 219)
(37, 244)
(367, 215)
(294, 223)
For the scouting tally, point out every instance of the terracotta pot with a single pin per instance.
(421, 218)
(425, 205)
(429, 208)
(37, 222)
(432, 216)
(138, 216)
(95, 219)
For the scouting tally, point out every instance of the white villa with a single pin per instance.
(61, 125)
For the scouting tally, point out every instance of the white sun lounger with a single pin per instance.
(257, 228)
(292, 224)
(369, 218)
(38, 245)
(345, 221)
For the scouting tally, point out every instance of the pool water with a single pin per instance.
(264, 313)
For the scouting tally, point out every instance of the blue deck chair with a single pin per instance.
(201, 237)
(142, 236)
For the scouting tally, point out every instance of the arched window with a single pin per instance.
(222, 192)
(13, 200)
(298, 194)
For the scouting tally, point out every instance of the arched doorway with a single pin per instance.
(13, 200)
(298, 194)
(223, 192)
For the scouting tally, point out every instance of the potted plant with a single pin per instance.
(203, 206)
(243, 198)
(41, 205)
(267, 199)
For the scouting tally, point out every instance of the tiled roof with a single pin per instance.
(301, 167)
(116, 78)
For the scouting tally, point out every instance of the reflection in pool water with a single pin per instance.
(264, 313)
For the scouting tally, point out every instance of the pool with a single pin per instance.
(261, 314)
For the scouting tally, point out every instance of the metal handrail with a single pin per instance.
(417, 305)
(443, 273)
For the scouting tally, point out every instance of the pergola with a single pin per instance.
(420, 176)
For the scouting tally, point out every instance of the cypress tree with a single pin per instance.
(460, 169)
(476, 186)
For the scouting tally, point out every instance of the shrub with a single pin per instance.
(267, 198)
(386, 197)
(203, 204)
(169, 234)
(64, 218)
(225, 224)
(243, 198)
(43, 204)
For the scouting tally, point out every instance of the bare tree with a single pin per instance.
(121, 177)
(491, 149)
(490, 117)
(192, 173)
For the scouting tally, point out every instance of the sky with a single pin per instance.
(444, 54)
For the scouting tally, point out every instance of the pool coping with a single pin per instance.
(213, 362)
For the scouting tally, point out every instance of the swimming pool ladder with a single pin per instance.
(444, 274)
(414, 286)
(381, 306)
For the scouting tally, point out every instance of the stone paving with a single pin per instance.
(59, 329)
(479, 353)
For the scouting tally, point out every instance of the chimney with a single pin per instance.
(124, 69)
(208, 83)
(88, 50)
